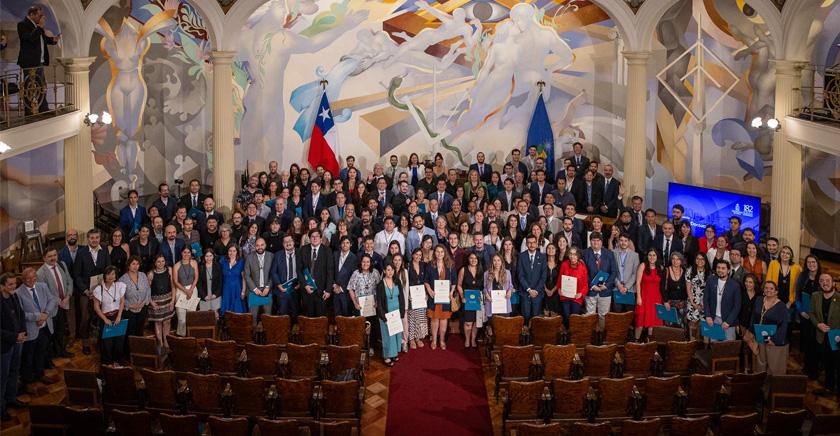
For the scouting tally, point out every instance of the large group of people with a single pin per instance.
(416, 244)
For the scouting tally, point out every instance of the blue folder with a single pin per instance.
(714, 332)
(764, 331)
(599, 278)
(308, 279)
(258, 300)
(113, 331)
(298, 212)
(194, 212)
(289, 285)
(804, 303)
(473, 298)
(833, 336)
(667, 315)
(627, 298)
(196, 250)
(514, 298)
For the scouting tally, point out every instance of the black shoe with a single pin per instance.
(86, 349)
(16, 404)
(66, 354)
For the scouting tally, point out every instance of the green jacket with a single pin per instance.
(817, 316)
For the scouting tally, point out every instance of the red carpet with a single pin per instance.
(437, 392)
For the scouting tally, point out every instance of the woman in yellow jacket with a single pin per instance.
(784, 272)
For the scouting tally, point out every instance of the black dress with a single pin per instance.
(472, 282)
(552, 303)
(119, 258)
(145, 252)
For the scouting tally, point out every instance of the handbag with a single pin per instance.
(455, 301)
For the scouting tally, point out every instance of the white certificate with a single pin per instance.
(418, 296)
(368, 308)
(182, 302)
(498, 301)
(568, 286)
(95, 281)
(393, 322)
(442, 292)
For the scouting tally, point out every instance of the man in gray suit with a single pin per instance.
(337, 211)
(628, 263)
(258, 279)
(57, 277)
(39, 307)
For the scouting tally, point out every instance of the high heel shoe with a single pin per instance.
(434, 345)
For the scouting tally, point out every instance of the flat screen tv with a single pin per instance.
(710, 206)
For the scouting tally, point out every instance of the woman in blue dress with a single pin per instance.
(388, 299)
(233, 285)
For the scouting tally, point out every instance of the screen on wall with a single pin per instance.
(709, 206)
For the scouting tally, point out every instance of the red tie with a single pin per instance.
(58, 281)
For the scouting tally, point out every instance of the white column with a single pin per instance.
(223, 159)
(786, 182)
(78, 159)
(635, 130)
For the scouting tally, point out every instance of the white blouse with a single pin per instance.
(109, 298)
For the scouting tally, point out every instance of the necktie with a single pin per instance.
(667, 248)
(414, 175)
(597, 260)
(195, 201)
(522, 223)
(341, 212)
(290, 269)
(382, 198)
(35, 298)
(58, 282)
(314, 255)
(480, 170)
(532, 261)
(589, 194)
(261, 262)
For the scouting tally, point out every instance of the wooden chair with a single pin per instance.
(531, 429)
(597, 360)
(338, 428)
(206, 393)
(523, 401)
(202, 324)
(787, 392)
(679, 357)
(239, 327)
(543, 330)
(665, 334)
(825, 424)
(186, 425)
(313, 330)
(228, 426)
(183, 353)
(352, 330)
(737, 425)
(704, 393)
(638, 358)
(784, 423)
(249, 396)
(591, 429)
(568, 399)
(263, 360)
(119, 389)
(557, 361)
(160, 386)
(82, 388)
(690, 426)
(48, 420)
(514, 363)
(276, 329)
(301, 361)
(143, 352)
(222, 356)
(660, 395)
(504, 330)
(85, 421)
(132, 423)
(745, 392)
(582, 329)
(341, 401)
(721, 357)
(278, 427)
(648, 427)
(343, 359)
(617, 327)
(614, 394)
(296, 397)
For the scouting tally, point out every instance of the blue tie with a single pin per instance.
(589, 194)
(522, 222)
(35, 298)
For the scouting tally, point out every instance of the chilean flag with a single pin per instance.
(324, 133)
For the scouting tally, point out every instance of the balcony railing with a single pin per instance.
(32, 94)
(820, 94)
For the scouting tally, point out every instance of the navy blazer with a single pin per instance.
(84, 268)
(165, 251)
(676, 245)
(279, 271)
(730, 301)
(128, 223)
(488, 171)
(167, 211)
(444, 205)
(308, 209)
(536, 198)
(343, 274)
(531, 276)
(608, 265)
(645, 241)
(64, 256)
(610, 198)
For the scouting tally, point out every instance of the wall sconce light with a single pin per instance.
(770, 123)
(95, 119)
(4, 147)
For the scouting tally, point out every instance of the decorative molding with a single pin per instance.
(634, 5)
(33, 135)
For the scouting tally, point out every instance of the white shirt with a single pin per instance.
(94, 253)
(383, 239)
(719, 295)
(109, 298)
(342, 258)
(133, 210)
(43, 46)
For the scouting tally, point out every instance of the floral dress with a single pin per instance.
(698, 284)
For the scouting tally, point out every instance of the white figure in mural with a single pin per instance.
(126, 93)
(514, 65)
(451, 27)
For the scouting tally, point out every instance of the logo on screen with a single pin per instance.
(746, 210)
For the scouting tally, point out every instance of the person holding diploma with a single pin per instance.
(772, 349)
(137, 296)
(162, 302)
(470, 277)
(233, 284)
(627, 264)
(598, 260)
(362, 287)
(418, 322)
(807, 286)
(825, 316)
(696, 278)
(532, 273)
(210, 283)
(497, 278)
(440, 268)
(575, 268)
(675, 291)
(388, 299)
(108, 305)
(184, 277)
(722, 300)
(649, 283)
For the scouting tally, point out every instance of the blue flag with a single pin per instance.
(541, 136)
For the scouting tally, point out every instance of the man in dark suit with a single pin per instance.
(368, 246)
(590, 194)
(345, 263)
(518, 165)
(524, 218)
(209, 210)
(667, 243)
(251, 217)
(568, 231)
(562, 196)
(722, 300)
(428, 183)
(171, 246)
(194, 198)
(34, 54)
(648, 233)
(90, 262)
(613, 194)
(382, 195)
(314, 201)
(318, 259)
(637, 210)
(132, 216)
(401, 199)
(531, 270)
(539, 188)
(283, 269)
(282, 213)
(579, 161)
(430, 217)
(165, 204)
(444, 198)
(13, 322)
(570, 211)
(598, 259)
(508, 197)
(484, 170)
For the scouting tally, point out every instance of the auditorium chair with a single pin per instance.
(515, 363)
(297, 397)
(523, 401)
(313, 330)
(721, 357)
(679, 357)
(504, 330)
(598, 360)
(160, 386)
(352, 330)
(648, 427)
(119, 388)
(206, 393)
(543, 330)
(301, 361)
(222, 356)
(704, 391)
(531, 429)
(82, 388)
(202, 324)
(617, 327)
(783, 423)
(180, 425)
(278, 427)
(249, 396)
(591, 429)
(745, 392)
(263, 360)
(183, 353)
(824, 423)
(568, 399)
(276, 329)
(85, 421)
(614, 396)
(238, 327)
(340, 401)
(663, 334)
(344, 360)
(132, 423)
(582, 329)
(557, 361)
(228, 426)
(737, 425)
(48, 420)
(660, 395)
(338, 428)
(787, 392)
(698, 426)
(143, 352)
(638, 358)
